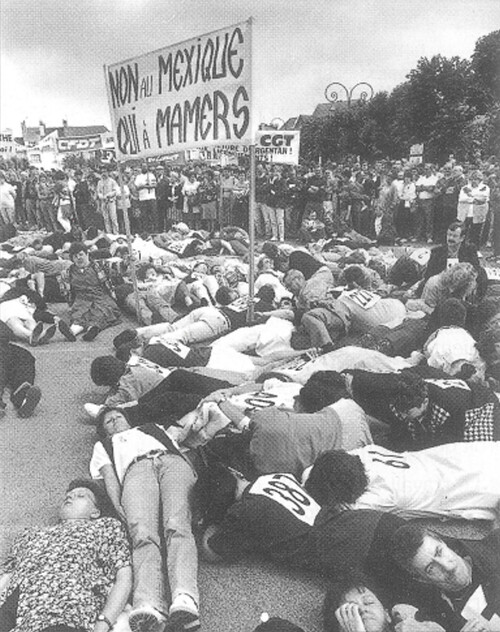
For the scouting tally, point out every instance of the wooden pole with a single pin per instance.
(251, 234)
(126, 220)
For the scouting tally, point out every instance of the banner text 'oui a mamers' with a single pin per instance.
(179, 97)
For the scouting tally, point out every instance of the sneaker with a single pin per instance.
(146, 619)
(65, 330)
(91, 333)
(183, 614)
(36, 334)
(92, 410)
(47, 334)
(31, 398)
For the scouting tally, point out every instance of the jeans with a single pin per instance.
(157, 491)
(199, 325)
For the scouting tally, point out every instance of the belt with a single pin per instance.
(148, 455)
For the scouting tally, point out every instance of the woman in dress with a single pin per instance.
(90, 295)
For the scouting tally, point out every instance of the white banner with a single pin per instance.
(194, 93)
(277, 146)
(7, 143)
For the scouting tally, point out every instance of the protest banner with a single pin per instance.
(278, 146)
(190, 94)
(79, 143)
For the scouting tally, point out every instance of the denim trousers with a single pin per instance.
(156, 496)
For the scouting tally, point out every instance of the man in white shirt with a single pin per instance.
(425, 186)
(145, 183)
(456, 480)
(7, 201)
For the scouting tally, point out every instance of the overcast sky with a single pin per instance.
(52, 51)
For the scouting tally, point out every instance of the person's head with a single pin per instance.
(285, 303)
(225, 295)
(354, 276)
(460, 280)
(277, 624)
(411, 399)
(266, 294)
(475, 178)
(455, 234)
(360, 593)
(428, 169)
(429, 559)
(294, 281)
(337, 477)
(265, 263)
(79, 254)
(107, 370)
(151, 274)
(313, 216)
(219, 493)
(322, 389)
(111, 421)
(144, 168)
(84, 500)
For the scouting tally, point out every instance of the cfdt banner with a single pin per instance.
(194, 93)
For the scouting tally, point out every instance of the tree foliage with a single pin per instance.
(451, 105)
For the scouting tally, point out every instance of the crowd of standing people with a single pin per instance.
(362, 394)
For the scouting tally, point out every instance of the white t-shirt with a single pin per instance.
(127, 445)
(7, 195)
(449, 347)
(16, 308)
(457, 480)
(145, 183)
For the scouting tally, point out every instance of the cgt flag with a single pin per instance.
(193, 93)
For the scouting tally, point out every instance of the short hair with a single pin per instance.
(277, 624)
(99, 421)
(457, 278)
(291, 275)
(406, 541)
(266, 293)
(411, 392)
(486, 310)
(322, 389)
(107, 370)
(76, 247)
(337, 477)
(335, 596)
(452, 312)
(355, 274)
(102, 500)
(223, 296)
(142, 270)
(456, 226)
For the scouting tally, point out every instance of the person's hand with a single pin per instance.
(349, 618)
(217, 397)
(477, 624)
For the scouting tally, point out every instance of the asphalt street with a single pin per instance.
(40, 455)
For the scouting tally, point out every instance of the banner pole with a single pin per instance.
(126, 220)
(251, 234)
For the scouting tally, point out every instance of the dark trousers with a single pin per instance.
(174, 397)
(17, 365)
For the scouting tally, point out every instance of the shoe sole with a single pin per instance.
(47, 335)
(36, 334)
(90, 334)
(144, 622)
(33, 396)
(66, 332)
(180, 620)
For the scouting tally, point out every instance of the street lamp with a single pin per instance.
(277, 122)
(332, 95)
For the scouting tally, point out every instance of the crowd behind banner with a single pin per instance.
(364, 394)
(389, 201)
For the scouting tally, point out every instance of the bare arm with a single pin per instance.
(117, 598)
(113, 487)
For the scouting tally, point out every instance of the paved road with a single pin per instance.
(41, 454)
